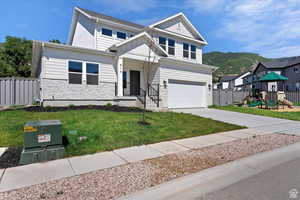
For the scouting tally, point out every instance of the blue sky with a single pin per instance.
(268, 27)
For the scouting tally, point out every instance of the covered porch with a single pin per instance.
(137, 66)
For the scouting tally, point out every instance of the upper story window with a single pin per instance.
(75, 72)
(171, 47)
(92, 74)
(106, 32)
(186, 48)
(193, 52)
(163, 42)
(121, 35)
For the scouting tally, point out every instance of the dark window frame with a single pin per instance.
(163, 45)
(171, 49)
(193, 52)
(122, 34)
(103, 31)
(92, 75)
(186, 52)
(74, 73)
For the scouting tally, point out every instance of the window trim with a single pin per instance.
(82, 71)
(91, 74)
(121, 33)
(110, 36)
(184, 50)
(164, 46)
(195, 52)
(173, 47)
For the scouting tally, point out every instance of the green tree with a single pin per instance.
(15, 57)
(55, 41)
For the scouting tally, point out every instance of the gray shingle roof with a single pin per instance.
(282, 64)
(227, 78)
(102, 16)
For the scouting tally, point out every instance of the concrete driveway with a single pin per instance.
(261, 123)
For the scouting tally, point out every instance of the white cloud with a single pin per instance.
(269, 27)
(204, 5)
(128, 5)
(148, 21)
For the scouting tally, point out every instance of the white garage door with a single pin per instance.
(184, 94)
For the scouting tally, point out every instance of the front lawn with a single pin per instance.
(257, 111)
(106, 130)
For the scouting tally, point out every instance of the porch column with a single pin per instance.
(120, 76)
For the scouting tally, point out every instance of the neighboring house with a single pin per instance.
(289, 68)
(109, 60)
(239, 81)
(232, 82)
(226, 82)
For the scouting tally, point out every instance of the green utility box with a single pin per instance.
(42, 142)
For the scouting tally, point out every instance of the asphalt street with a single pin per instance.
(278, 183)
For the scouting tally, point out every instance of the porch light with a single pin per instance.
(165, 84)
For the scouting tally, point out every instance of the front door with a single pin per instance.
(135, 83)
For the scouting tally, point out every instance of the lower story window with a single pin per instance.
(75, 72)
(92, 74)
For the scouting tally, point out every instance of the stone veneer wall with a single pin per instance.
(61, 93)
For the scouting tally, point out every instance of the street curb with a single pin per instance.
(219, 177)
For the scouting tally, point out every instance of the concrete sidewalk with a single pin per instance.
(22, 176)
(197, 185)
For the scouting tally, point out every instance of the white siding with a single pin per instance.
(187, 73)
(84, 33)
(179, 48)
(239, 80)
(55, 64)
(176, 26)
(103, 42)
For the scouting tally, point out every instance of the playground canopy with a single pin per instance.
(273, 77)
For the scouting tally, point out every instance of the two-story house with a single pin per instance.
(289, 68)
(109, 60)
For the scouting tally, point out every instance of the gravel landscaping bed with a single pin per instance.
(118, 181)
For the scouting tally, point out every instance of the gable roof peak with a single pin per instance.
(186, 21)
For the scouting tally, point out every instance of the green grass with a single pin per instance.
(110, 130)
(257, 111)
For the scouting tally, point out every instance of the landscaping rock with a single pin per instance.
(118, 181)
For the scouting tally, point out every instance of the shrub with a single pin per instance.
(108, 104)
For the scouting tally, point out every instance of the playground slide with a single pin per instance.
(287, 103)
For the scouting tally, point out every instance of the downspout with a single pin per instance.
(41, 74)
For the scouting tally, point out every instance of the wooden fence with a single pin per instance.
(228, 97)
(18, 91)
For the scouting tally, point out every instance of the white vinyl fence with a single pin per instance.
(18, 91)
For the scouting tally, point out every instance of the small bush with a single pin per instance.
(71, 106)
(108, 105)
(90, 106)
(48, 106)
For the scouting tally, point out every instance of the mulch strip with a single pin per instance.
(112, 108)
(11, 157)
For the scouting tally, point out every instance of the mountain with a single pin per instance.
(232, 63)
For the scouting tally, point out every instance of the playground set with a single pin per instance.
(275, 100)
